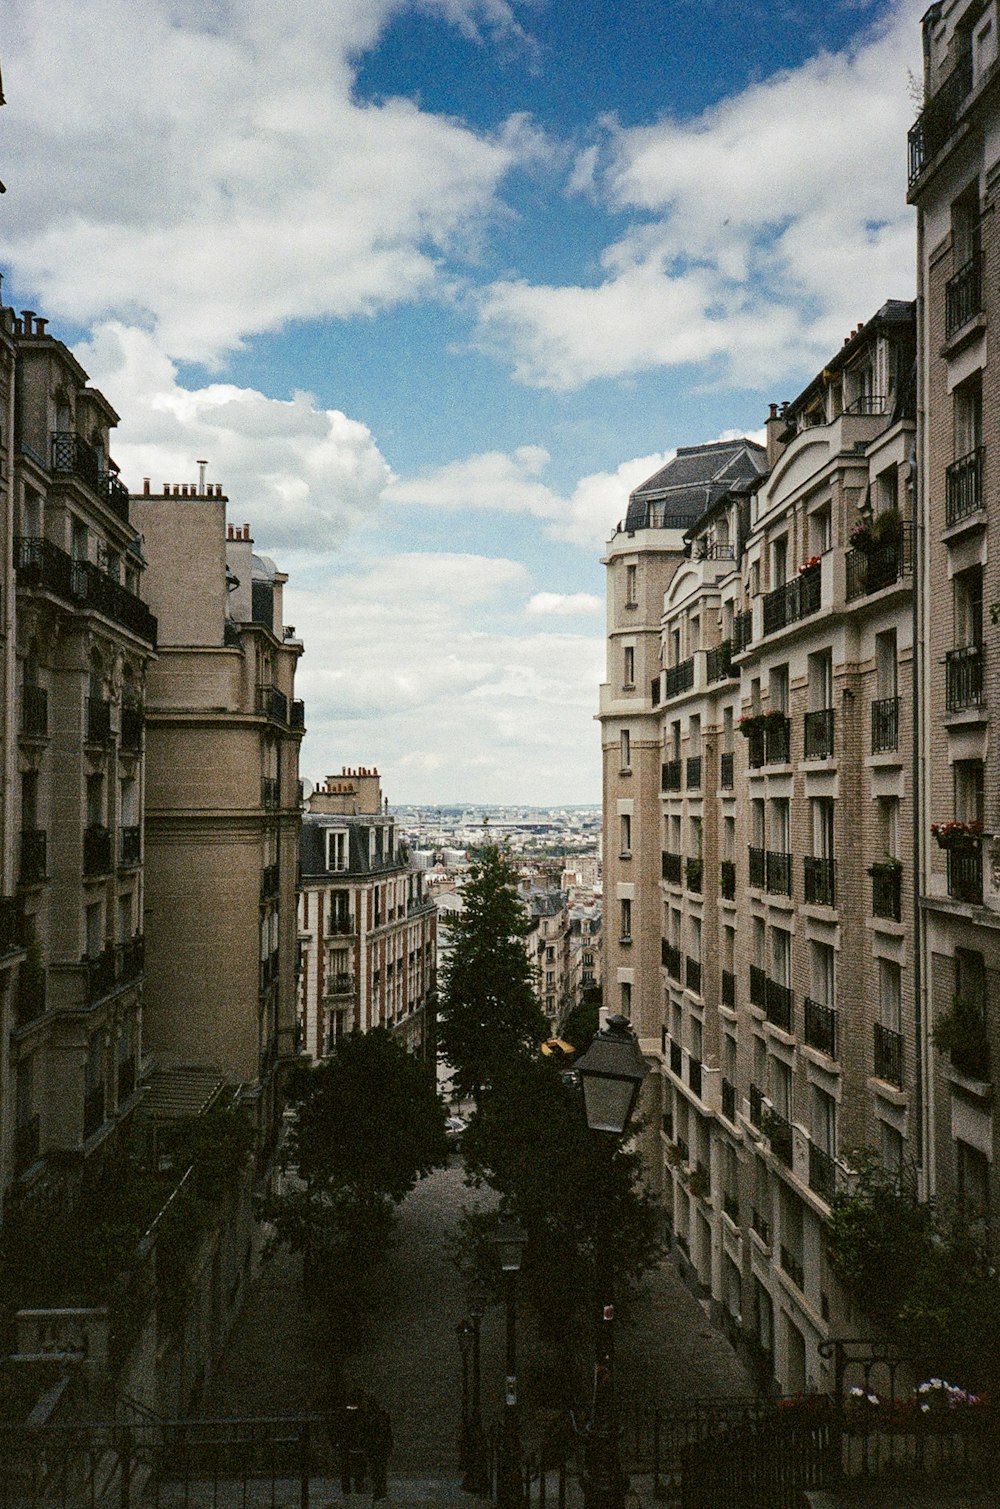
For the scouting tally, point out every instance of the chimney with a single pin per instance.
(201, 478)
(773, 427)
(145, 487)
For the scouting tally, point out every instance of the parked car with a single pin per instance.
(453, 1128)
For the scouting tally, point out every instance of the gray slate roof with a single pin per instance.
(689, 484)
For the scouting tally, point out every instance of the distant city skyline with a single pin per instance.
(432, 284)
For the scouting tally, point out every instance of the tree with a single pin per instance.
(488, 1014)
(591, 1223)
(368, 1125)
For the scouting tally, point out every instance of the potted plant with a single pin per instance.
(749, 723)
(810, 565)
(958, 835)
(862, 536)
(961, 1033)
(887, 527)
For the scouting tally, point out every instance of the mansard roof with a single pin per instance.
(680, 492)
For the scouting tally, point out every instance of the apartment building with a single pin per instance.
(548, 948)
(954, 177)
(223, 729)
(367, 924)
(78, 643)
(779, 790)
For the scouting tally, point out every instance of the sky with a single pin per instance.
(433, 284)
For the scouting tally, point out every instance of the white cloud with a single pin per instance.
(410, 665)
(564, 604)
(762, 230)
(305, 474)
(204, 170)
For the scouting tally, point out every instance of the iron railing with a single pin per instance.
(777, 740)
(670, 958)
(33, 856)
(870, 570)
(727, 879)
(818, 734)
(963, 295)
(963, 677)
(719, 662)
(671, 867)
(965, 874)
(778, 1131)
(888, 1055)
(887, 890)
(820, 1026)
(678, 678)
(964, 486)
(819, 880)
(779, 1005)
(726, 774)
(297, 714)
(34, 711)
(742, 632)
(72, 456)
(885, 725)
(758, 869)
(822, 1173)
(758, 986)
(693, 772)
(43, 567)
(778, 868)
(792, 600)
(272, 703)
(670, 775)
(939, 117)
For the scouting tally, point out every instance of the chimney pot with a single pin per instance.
(145, 487)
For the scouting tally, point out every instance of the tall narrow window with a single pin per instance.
(626, 827)
(631, 586)
(629, 670)
(626, 749)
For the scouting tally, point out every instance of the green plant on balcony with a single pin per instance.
(957, 835)
(674, 1155)
(698, 1183)
(961, 1033)
(750, 723)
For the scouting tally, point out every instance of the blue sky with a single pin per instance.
(433, 284)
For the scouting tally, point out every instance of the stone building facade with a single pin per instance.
(367, 925)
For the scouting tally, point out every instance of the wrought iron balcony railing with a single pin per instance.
(34, 711)
(729, 989)
(885, 725)
(964, 677)
(880, 566)
(820, 1026)
(758, 986)
(43, 567)
(964, 486)
(96, 850)
(742, 632)
(887, 890)
(719, 662)
(965, 874)
(888, 1055)
(340, 924)
(297, 714)
(272, 703)
(778, 1131)
(727, 880)
(777, 740)
(33, 856)
(758, 868)
(678, 678)
(778, 871)
(793, 600)
(963, 295)
(818, 734)
(671, 867)
(129, 846)
(98, 720)
(670, 775)
(938, 119)
(72, 456)
(692, 975)
(819, 880)
(270, 882)
(693, 772)
(779, 1004)
(670, 958)
(726, 773)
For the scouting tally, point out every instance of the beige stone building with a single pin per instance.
(77, 644)
(367, 924)
(954, 162)
(223, 729)
(775, 782)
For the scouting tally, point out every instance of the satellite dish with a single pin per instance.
(308, 787)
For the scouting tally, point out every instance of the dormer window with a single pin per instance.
(336, 849)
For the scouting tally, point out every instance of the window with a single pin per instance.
(626, 920)
(890, 994)
(631, 586)
(781, 1087)
(822, 809)
(626, 999)
(626, 826)
(824, 1121)
(968, 600)
(888, 825)
(973, 1171)
(779, 561)
(757, 821)
(886, 664)
(125, 927)
(780, 825)
(95, 801)
(968, 776)
(891, 1147)
(968, 415)
(79, 544)
(821, 680)
(336, 849)
(629, 665)
(965, 227)
(727, 730)
(820, 530)
(781, 955)
(626, 749)
(970, 977)
(94, 930)
(823, 958)
(777, 688)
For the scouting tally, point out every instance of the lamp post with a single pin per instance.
(476, 1478)
(464, 1333)
(611, 1071)
(510, 1239)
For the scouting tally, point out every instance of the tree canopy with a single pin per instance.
(488, 1013)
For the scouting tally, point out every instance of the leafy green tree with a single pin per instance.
(488, 1013)
(368, 1125)
(591, 1223)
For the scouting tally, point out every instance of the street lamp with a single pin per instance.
(510, 1239)
(612, 1071)
(476, 1478)
(464, 1333)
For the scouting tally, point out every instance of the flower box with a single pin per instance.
(958, 835)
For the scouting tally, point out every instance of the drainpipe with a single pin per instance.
(923, 1110)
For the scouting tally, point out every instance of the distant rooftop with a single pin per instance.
(680, 492)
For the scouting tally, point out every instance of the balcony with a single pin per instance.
(965, 874)
(964, 487)
(820, 1027)
(671, 867)
(43, 567)
(742, 632)
(938, 119)
(33, 856)
(670, 958)
(670, 776)
(678, 678)
(34, 712)
(792, 1265)
(793, 600)
(101, 972)
(132, 723)
(779, 1004)
(27, 1143)
(729, 989)
(130, 960)
(760, 1226)
(692, 975)
(297, 715)
(72, 456)
(888, 1055)
(30, 994)
(728, 1099)
(676, 1059)
(758, 868)
(726, 773)
(270, 882)
(692, 875)
(778, 872)
(272, 704)
(778, 1132)
(693, 773)
(93, 1110)
(885, 725)
(819, 881)
(731, 1206)
(270, 793)
(964, 677)
(129, 846)
(339, 924)
(822, 1174)
(694, 1074)
(756, 1106)
(963, 297)
(756, 748)
(887, 890)
(719, 663)
(758, 986)
(96, 850)
(727, 880)
(340, 985)
(98, 721)
(818, 734)
(777, 740)
(880, 566)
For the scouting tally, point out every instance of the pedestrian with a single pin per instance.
(353, 1465)
(377, 1436)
